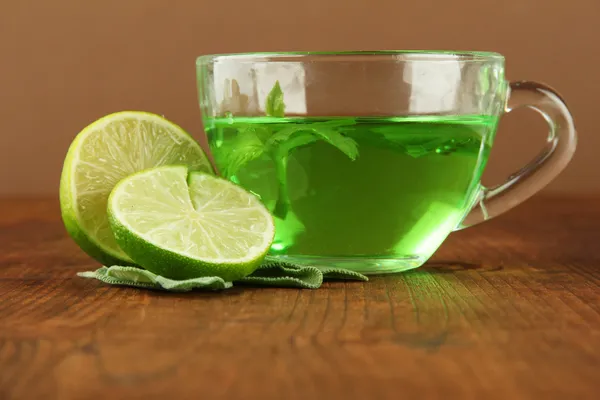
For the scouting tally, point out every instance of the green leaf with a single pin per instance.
(419, 143)
(299, 139)
(345, 144)
(274, 106)
(137, 277)
(272, 272)
(285, 134)
(324, 131)
(248, 145)
(281, 144)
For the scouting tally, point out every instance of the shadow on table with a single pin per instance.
(449, 267)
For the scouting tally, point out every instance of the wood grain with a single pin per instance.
(506, 310)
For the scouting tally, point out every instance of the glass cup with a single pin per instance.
(369, 160)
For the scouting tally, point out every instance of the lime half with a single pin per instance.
(185, 226)
(105, 152)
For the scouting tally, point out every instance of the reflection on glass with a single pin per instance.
(434, 86)
(243, 88)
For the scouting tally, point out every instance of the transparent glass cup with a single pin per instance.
(369, 160)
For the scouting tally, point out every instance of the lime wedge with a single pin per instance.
(185, 226)
(105, 152)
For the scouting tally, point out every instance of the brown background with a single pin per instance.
(65, 63)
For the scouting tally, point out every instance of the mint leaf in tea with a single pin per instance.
(275, 106)
(363, 186)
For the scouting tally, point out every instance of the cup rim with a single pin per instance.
(408, 55)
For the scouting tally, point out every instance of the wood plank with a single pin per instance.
(508, 309)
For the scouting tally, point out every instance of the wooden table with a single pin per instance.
(507, 310)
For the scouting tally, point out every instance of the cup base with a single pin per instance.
(363, 265)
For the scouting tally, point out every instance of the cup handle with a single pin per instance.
(555, 156)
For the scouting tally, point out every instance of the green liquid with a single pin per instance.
(386, 188)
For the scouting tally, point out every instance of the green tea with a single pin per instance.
(343, 187)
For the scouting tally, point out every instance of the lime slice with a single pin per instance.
(105, 152)
(183, 227)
